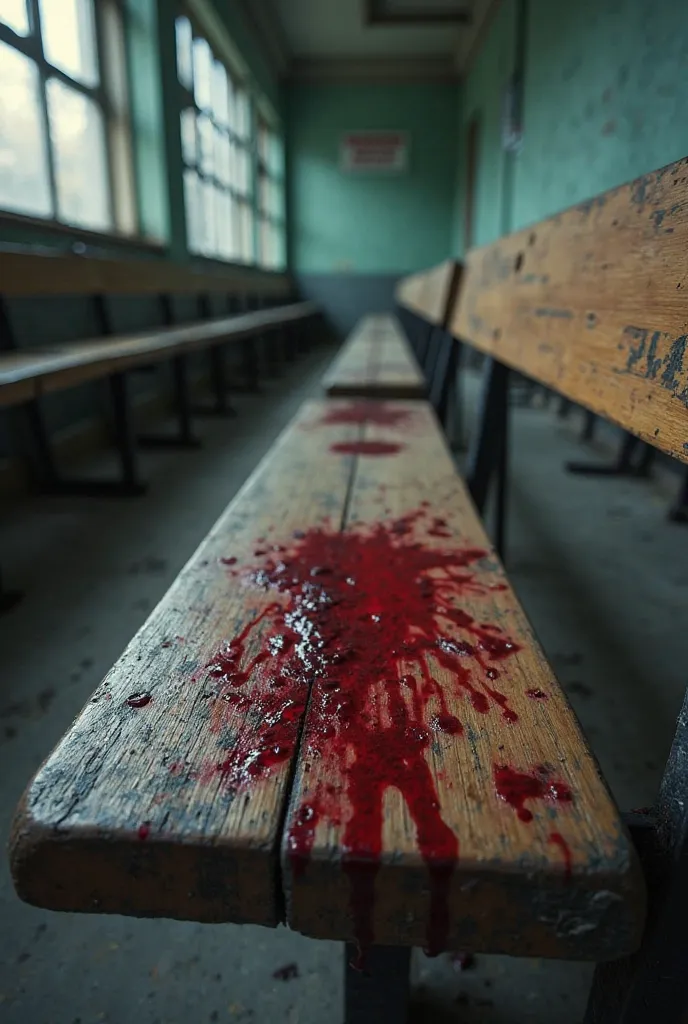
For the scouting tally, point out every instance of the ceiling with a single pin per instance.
(354, 39)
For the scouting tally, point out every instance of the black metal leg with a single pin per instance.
(678, 513)
(564, 408)
(124, 434)
(589, 424)
(218, 378)
(652, 985)
(379, 992)
(46, 470)
(634, 459)
(489, 451)
(250, 361)
(185, 437)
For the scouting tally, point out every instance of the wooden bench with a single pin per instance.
(339, 717)
(376, 362)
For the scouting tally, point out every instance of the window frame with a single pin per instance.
(32, 47)
(240, 200)
(277, 222)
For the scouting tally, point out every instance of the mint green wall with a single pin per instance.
(604, 103)
(482, 97)
(342, 223)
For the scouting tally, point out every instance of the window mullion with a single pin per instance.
(101, 96)
(35, 19)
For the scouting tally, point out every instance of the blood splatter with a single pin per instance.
(516, 787)
(557, 839)
(139, 700)
(366, 448)
(537, 694)
(361, 621)
(380, 414)
(143, 831)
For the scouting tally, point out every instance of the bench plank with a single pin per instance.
(430, 294)
(376, 362)
(167, 795)
(76, 362)
(592, 303)
(444, 795)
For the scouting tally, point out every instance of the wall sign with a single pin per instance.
(374, 152)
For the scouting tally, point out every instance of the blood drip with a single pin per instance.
(366, 448)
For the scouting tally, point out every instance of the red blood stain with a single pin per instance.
(366, 448)
(381, 414)
(439, 528)
(557, 839)
(139, 700)
(537, 695)
(361, 621)
(228, 561)
(143, 831)
(516, 787)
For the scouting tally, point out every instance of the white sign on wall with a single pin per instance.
(374, 152)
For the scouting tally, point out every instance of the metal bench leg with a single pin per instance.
(49, 479)
(652, 985)
(381, 991)
(185, 437)
(634, 459)
(678, 513)
(489, 451)
(565, 405)
(250, 361)
(218, 378)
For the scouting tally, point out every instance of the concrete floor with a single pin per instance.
(601, 573)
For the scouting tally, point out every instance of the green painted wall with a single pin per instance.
(603, 103)
(482, 98)
(342, 223)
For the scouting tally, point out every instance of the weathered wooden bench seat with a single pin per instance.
(33, 372)
(339, 716)
(376, 362)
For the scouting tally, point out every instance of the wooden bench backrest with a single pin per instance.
(44, 273)
(594, 303)
(431, 293)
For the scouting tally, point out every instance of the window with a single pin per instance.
(271, 227)
(216, 131)
(65, 132)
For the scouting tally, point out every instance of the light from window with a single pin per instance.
(65, 131)
(15, 15)
(215, 125)
(271, 213)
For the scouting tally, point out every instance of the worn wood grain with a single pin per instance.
(50, 273)
(431, 293)
(564, 884)
(593, 303)
(131, 813)
(376, 362)
(74, 363)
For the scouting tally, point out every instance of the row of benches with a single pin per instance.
(29, 375)
(339, 717)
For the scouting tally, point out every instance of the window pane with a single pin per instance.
(219, 93)
(78, 137)
(222, 157)
(188, 130)
(69, 37)
(202, 64)
(192, 204)
(13, 13)
(207, 141)
(246, 233)
(184, 52)
(115, 57)
(224, 229)
(231, 104)
(24, 182)
(208, 199)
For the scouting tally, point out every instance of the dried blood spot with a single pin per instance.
(366, 448)
(380, 414)
(516, 787)
(139, 700)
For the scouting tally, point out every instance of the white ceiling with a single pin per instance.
(313, 31)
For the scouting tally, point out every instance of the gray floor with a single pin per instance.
(601, 573)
